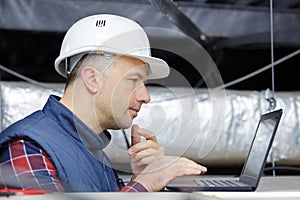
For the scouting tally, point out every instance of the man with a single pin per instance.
(106, 60)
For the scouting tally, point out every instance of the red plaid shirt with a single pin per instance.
(24, 165)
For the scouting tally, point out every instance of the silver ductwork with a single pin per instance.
(187, 121)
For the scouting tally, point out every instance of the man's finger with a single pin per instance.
(141, 146)
(149, 135)
(135, 137)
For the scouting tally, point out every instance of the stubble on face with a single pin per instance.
(115, 104)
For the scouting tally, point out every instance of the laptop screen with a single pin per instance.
(261, 145)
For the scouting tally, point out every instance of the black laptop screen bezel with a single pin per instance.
(250, 180)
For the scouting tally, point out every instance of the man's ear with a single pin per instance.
(90, 77)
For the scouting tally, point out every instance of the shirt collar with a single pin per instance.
(74, 126)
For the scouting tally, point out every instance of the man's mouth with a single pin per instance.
(134, 112)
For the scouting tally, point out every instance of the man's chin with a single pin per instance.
(125, 125)
(122, 121)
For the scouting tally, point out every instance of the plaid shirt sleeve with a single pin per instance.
(24, 165)
(133, 186)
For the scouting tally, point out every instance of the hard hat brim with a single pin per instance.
(158, 68)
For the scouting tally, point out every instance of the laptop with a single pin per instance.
(252, 169)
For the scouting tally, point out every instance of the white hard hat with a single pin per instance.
(112, 34)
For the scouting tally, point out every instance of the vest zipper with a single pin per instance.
(106, 177)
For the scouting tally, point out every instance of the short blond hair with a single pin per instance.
(98, 60)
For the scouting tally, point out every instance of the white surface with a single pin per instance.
(252, 195)
(110, 196)
(280, 187)
(285, 187)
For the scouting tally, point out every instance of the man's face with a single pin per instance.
(122, 93)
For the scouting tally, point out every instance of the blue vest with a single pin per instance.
(60, 133)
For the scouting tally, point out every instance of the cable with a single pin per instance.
(282, 168)
(272, 46)
(239, 79)
(34, 82)
(126, 140)
(258, 71)
(272, 100)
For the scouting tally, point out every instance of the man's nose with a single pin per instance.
(142, 95)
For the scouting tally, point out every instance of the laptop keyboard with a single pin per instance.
(218, 183)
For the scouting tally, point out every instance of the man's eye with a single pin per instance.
(134, 80)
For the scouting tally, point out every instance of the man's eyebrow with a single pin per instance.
(138, 74)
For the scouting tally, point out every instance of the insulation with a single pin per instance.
(187, 121)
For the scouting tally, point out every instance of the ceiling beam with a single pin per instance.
(286, 3)
(248, 2)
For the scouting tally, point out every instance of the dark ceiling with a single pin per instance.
(31, 32)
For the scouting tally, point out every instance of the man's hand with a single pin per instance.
(163, 169)
(143, 152)
(151, 167)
